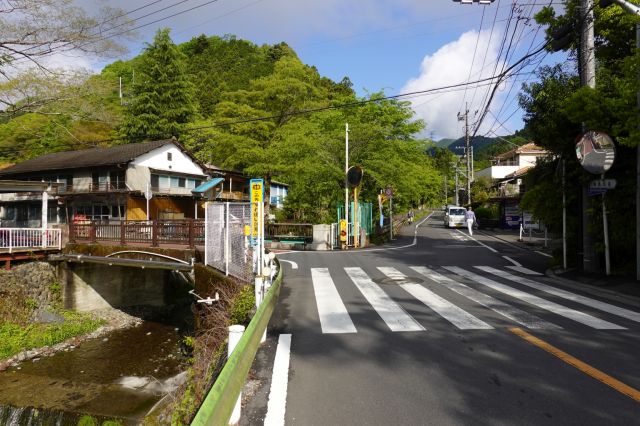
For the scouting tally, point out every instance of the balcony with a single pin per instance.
(92, 187)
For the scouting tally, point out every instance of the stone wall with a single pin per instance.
(35, 280)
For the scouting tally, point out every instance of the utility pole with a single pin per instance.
(587, 78)
(465, 117)
(634, 10)
(346, 185)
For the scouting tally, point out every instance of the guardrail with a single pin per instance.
(22, 238)
(218, 405)
(153, 232)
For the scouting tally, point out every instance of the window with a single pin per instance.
(155, 181)
(169, 156)
(117, 179)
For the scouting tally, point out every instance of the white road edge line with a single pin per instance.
(481, 243)
(512, 261)
(415, 238)
(276, 407)
(294, 265)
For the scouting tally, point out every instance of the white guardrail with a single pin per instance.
(20, 238)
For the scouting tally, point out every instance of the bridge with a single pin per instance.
(28, 243)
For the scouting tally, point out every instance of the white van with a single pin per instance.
(454, 217)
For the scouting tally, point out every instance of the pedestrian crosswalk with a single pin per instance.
(490, 296)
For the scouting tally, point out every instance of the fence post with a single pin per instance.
(192, 239)
(235, 333)
(92, 231)
(123, 240)
(154, 233)
(72, 232)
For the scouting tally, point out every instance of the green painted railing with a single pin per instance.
(217, 407)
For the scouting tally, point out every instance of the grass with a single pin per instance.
(15, 338)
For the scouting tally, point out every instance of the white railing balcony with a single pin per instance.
(25, 238)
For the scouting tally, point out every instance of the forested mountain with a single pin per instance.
(237, 105)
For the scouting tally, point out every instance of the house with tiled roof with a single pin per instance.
(506, 173)
(151, 180)
(509, 162)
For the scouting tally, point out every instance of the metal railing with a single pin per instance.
(289, 231)
(153, 232)
(23, 238)
(92, 187)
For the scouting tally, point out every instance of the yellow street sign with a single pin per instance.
(257, 196)
(343, 230)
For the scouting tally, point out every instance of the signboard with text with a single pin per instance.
(256, 194)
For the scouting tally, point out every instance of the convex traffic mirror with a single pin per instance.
(595, 151)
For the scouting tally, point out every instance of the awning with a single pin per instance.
(207, 187)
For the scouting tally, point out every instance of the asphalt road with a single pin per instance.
(417, 333)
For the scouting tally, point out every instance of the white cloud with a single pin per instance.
(450, 65)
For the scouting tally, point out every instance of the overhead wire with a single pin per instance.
(473, 59)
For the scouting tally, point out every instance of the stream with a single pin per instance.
(121, 375)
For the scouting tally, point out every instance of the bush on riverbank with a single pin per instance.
(237, 302)
(15, 338)
(30, 313)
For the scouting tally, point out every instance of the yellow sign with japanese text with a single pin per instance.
(257, 198)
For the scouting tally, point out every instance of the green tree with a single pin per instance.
(162, 101)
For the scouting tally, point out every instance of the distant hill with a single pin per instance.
(479, 143)
(444, 143)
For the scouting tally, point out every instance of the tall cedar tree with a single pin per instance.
(162, 94)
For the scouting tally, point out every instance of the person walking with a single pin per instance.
(470, 217)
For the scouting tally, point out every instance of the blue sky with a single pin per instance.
(395, 46)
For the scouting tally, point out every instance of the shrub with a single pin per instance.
(242, 306)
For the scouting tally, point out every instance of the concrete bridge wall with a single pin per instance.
(88, 287)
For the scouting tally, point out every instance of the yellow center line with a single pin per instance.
(582, 366)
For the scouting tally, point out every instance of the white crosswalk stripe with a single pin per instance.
(572, 314)
(455, 315)
(393, 315)
(334, 317)
(606, 307)
(523, 270)
(521, 317)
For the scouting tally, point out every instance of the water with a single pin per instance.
(122, 375)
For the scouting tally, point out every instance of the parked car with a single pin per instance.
(454, 217)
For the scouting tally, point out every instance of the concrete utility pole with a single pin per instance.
(346, 185)
(587, 78)
(467, 149)
(635, 10)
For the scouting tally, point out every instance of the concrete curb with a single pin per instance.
(517, 244)
(613, 295)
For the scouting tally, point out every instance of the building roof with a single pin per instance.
(207, 186)
(93, 157)
(528, 148)
(518, 173)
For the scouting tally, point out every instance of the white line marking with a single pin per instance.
(452, 313)
(294, 265)
(334, 317)
(512, 261)
(572, 314)
(523, 270)
(521, 317)
(606, 307)
(279, 381)
(392, 313)
(481, 243)
(544, 254)
(415, 239)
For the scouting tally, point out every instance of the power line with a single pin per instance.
(473, 59)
